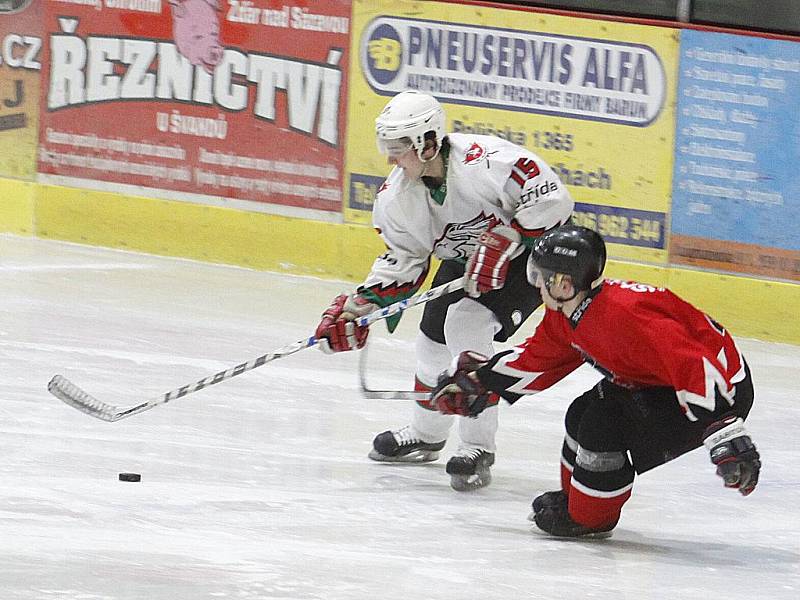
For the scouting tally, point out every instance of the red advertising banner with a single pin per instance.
(239, 100)
(20, 65)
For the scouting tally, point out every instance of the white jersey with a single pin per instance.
(488, 181)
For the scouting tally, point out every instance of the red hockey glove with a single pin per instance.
(337, 332)
(488, 266)
(458, 391)
(734, 453)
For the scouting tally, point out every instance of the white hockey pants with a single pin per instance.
(467, 326)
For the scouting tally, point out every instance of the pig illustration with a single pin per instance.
(195, 27)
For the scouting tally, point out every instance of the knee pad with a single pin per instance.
(576, 410)
(432, 359)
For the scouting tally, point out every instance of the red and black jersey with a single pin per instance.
(637, 336)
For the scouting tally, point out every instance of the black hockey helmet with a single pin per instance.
(570, 250)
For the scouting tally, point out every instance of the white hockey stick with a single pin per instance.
(371, 394)
(70, 393)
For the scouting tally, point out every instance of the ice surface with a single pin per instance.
(260, 488)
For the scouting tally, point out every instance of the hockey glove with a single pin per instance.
(459, 391)
(488, 266)
(337, 332)
(734, 453)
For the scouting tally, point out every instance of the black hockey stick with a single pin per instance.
(70, 393)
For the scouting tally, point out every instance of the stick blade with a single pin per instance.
(370, 394)
(66, 391)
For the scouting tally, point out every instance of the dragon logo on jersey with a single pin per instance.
(459, 240)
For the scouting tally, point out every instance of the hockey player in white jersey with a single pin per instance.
(477, 203)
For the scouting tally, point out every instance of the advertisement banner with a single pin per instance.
(736, 199)
(221, 98)
(593, 98)
(20, 66)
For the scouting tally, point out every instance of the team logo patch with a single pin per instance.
(475, 154)
(459, 240)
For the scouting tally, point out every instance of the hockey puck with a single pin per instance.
(130, 477)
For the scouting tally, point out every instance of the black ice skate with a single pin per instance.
(469, 469)
(403, 445)
(556, 521)
(548, 499)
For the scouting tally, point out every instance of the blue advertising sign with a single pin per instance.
(736, 188)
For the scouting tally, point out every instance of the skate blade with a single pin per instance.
(599, 535)
(468, 483)
(418, 456)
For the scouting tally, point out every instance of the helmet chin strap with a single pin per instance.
(557, 278)
(427, 163)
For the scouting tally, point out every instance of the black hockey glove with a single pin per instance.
(458, 391)
(734, 453)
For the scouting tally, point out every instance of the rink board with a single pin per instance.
(750, 307)
(17, 206)
(201, 232)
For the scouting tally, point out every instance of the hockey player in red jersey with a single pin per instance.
(477, 203)
(674, 380)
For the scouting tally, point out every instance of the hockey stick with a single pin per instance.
(371, 394)
(71, 394)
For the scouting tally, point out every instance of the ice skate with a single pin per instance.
(556, 521)
(548, 499)
(404, 445)
(469, 469)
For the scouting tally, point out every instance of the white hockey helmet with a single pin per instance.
(409, 116)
